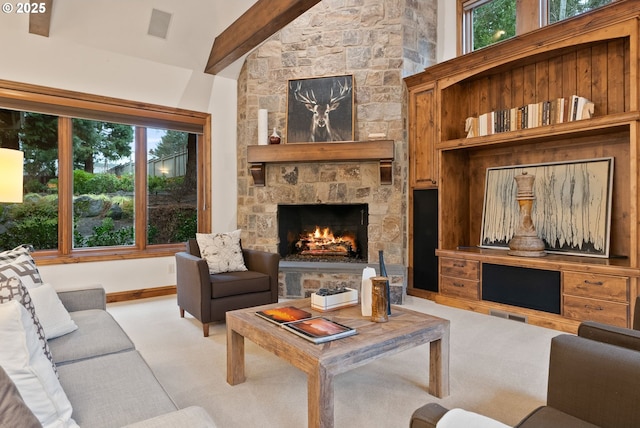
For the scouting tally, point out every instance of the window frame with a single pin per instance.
(68, 105)
(530, 15)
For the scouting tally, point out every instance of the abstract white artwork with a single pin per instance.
(571, 211)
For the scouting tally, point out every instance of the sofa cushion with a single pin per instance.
(190, 417)
(23, 359)
(13, 410)
(51, 312)
(97, 334)
(221, 251)
(459, 418)
(18, 263)
(113, 390)
(235, 283)
(13, 289)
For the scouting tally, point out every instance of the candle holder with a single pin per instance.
(526, 242)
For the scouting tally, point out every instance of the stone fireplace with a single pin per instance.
(377, 42)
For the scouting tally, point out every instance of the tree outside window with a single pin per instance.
(104, 197)
(486, 22)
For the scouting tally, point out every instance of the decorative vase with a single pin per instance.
(366, 291)
(525, 241)
(274, 138)
(383, 273)
(379, 300)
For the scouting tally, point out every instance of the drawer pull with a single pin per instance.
(595, 308)
(599, 283)
(461, 265)
(457, 284)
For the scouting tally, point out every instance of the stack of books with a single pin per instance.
(530, 116)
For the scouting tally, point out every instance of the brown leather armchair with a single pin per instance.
(591, 384)
(208, 297)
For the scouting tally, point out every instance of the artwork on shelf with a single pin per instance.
(571, 211)
(320, 110)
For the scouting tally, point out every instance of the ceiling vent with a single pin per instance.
(159, 24)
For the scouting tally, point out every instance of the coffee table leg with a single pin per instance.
(235, 357)
(320, 398)
(439, 366)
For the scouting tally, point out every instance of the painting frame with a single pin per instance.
(567, 194)
(320, 109)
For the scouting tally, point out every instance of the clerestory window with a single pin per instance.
(485, 22)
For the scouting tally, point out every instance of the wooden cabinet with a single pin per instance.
(460, 278)
(603, 298)
(424, 166)
(595, 56)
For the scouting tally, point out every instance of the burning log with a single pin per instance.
(324, 243)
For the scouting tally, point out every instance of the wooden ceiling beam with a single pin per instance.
(40, 17)
(257, 24)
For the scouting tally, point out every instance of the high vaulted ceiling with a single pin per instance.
(122, 26)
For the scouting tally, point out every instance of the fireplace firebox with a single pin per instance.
(323, 232)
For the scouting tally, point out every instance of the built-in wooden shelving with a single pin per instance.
(594, 55)
(378, 150)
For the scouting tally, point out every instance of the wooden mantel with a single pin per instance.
(379, 150)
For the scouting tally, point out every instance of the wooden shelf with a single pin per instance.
(595, 126)
(379, 150)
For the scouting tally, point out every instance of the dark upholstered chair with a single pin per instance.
(208, 297)
(620, 336)
(591, 384)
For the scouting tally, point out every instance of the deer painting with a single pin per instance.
(319, 102)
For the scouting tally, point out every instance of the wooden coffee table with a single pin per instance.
(404, 330)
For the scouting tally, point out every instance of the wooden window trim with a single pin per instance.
(69, 104)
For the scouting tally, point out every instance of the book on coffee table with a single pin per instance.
(319, 329)
(284, 314)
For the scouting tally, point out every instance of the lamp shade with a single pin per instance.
(11, 176)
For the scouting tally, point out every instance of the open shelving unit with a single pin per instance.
(594, 55)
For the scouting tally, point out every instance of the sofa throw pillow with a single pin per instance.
(222, 251)
(12, 289)
(19, 263)
(52, 314)
(23, 359)
(14, 412)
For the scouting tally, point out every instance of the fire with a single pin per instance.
(323, 242)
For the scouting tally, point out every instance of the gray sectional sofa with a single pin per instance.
(106, 379)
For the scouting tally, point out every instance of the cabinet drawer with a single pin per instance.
(596, 286)
(457, 287)
(459, 268)
(582, 309)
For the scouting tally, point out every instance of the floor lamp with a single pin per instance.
(11, 176)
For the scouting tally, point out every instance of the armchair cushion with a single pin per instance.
(222, 251)
(235, 283)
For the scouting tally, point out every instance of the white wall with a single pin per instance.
(446, 30)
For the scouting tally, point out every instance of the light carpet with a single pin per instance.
(498, 368)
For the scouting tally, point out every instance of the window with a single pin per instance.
(35, 221)
(563, 9)
(103, 180)
(488, 22)
(485, 22)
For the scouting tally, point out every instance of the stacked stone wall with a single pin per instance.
(378, 43)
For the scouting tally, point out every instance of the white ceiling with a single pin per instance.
(121, 26)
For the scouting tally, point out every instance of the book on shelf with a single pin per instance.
(319, 329)
(284, 314)
(532, 115)
(580, 108)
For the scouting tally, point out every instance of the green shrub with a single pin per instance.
(106, 235)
